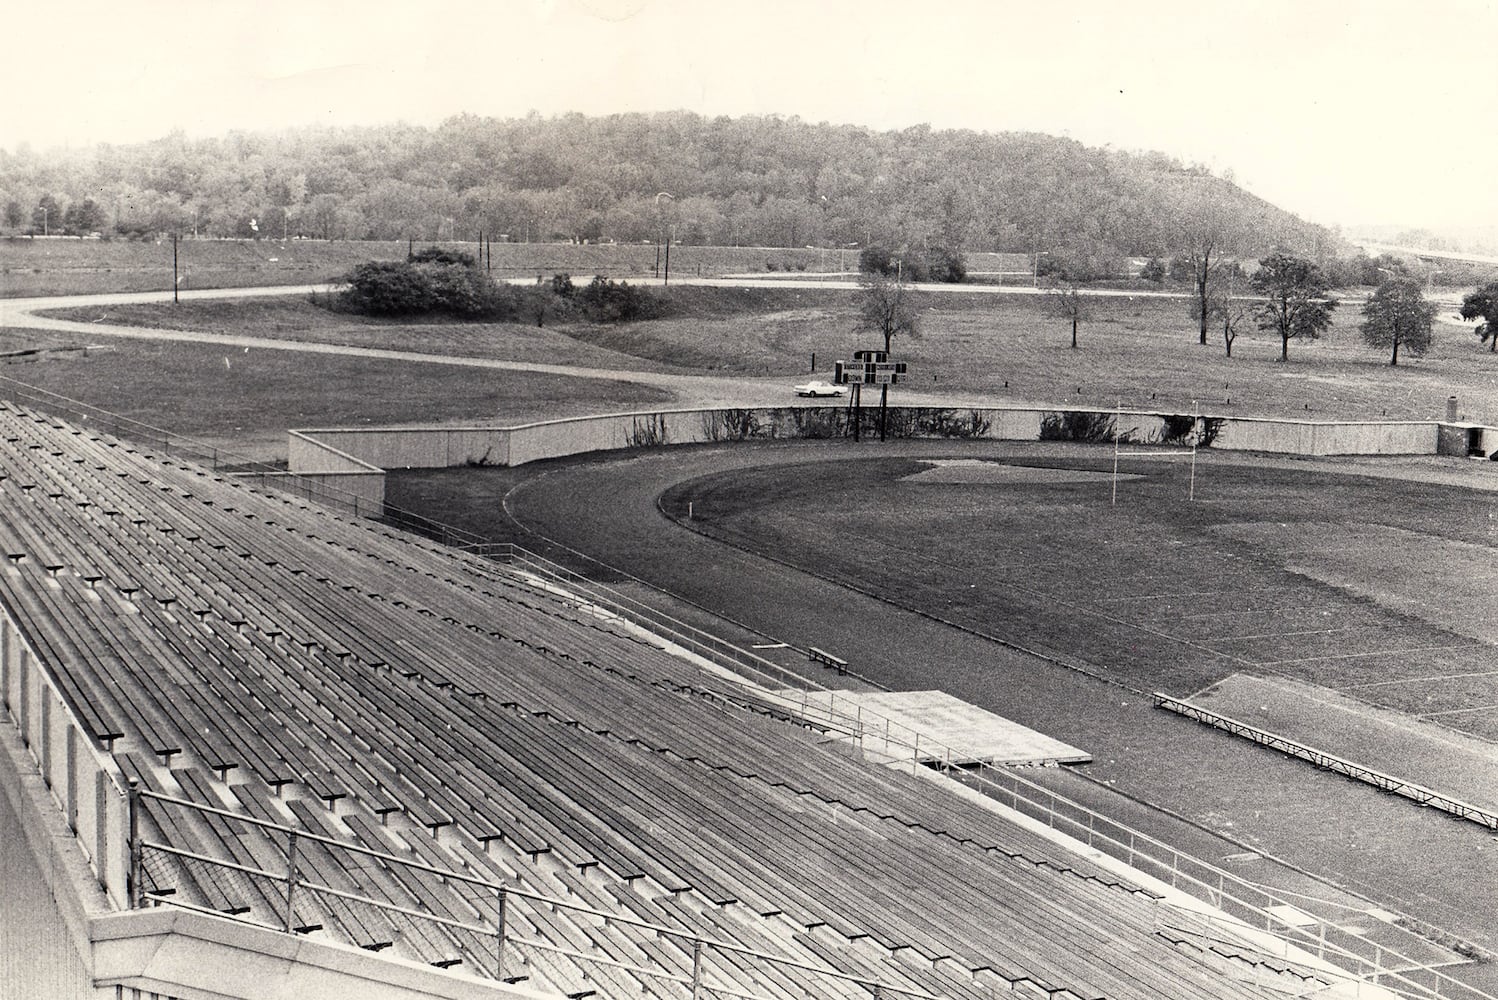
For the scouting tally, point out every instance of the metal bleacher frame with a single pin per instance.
(1368, 961)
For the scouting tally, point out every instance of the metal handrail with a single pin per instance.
(939, 753)
(502, 892)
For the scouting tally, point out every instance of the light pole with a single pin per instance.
(1035, 276)
(661, 219)
(44, 220)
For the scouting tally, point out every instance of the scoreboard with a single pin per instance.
(868, 368)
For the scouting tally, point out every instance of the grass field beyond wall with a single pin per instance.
(1138, 351)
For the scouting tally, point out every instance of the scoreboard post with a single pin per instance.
(869, 367)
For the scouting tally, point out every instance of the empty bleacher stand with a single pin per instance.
(345, 733)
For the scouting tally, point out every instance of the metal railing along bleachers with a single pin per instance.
(491, 944)
(1372, 963)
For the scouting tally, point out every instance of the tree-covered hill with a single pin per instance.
(765, 181)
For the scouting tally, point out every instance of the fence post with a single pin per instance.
(499, 935)
(696, 967)
(290, 877)
(136, 890)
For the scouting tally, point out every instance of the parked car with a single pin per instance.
(816, 387)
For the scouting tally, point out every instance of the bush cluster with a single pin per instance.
(606, 301)
(936, 263)
(450, 283)
(432, 281)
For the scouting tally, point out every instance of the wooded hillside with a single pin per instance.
(765, 181)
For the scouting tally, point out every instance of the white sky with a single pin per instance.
(1344, 111)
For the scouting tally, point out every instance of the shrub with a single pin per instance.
(439, 282)
(606, 301)
(936, 263)
(438, 255)
(381, 288)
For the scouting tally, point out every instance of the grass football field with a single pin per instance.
(1375, 587)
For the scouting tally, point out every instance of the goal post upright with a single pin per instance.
(1119, 453)
(1117, 420)
(1195, 437)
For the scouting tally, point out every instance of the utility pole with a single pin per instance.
(661, 221)
(175, 279)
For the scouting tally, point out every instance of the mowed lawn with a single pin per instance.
(1376, 587)
(245, 400)
(1140, 351)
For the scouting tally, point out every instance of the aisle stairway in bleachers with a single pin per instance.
(301, 671)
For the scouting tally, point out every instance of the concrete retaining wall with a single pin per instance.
(43, 931)
(349, 459)
(361, 449)
(1466, 440)
(1295, 437)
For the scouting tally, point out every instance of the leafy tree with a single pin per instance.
(1068, 303)
(47, 215)
(936, 263)
(14, 214)
(1296, 303)
(1206, 227)
(1228, 311)
(83, 217)
(1080, 265)
(944, 264)
(1483, 304)
(322, 213)
(886, 307)
(882, 260)
(540, 301)
(1154, 270)
(1397, 315)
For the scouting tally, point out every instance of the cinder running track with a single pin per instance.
(1411, 860)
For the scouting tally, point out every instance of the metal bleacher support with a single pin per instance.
(827, 659)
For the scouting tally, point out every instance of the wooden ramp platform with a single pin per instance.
(946, 725)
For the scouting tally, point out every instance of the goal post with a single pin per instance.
(1156, 452)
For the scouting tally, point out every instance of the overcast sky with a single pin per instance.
(1344, 112)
